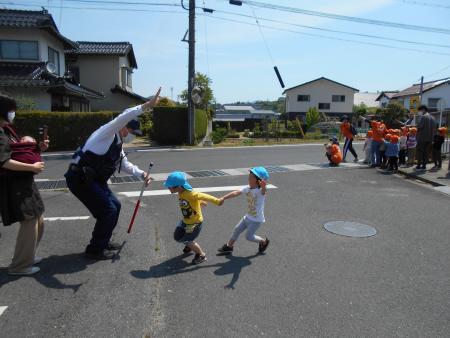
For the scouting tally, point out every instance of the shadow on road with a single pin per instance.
(50, 267)
(177, 265)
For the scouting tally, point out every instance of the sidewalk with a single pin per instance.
(436, 178)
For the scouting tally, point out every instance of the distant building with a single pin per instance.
(108, 67)
(242, 117)
(385, 97)
(32, 64)
(328, 96)
(366, 98)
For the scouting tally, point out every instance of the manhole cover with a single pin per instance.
(350, 229)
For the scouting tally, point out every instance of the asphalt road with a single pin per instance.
(310, 283)
(209, 158)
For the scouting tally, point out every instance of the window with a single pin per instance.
(303, 98)
(129, 72)
(53, 57)
(324, 106)
(19, 50)
(338, 98)
(127, 75)
(433, 102)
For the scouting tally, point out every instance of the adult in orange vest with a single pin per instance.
(349, 132)
(379, 131)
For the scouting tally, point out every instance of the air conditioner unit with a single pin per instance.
(66, 101)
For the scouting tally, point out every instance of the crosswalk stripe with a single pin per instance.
(204, 189)
(2, 309)
(71, 218)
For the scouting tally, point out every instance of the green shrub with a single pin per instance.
(66, 130)
(146, 124)
(219, 135)
(170, 125)
(201, 124)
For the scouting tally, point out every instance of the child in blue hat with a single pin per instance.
(256, 195)
(191, 203)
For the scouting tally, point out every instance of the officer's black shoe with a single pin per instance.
(99, 254)
(114, 246)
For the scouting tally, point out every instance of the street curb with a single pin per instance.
(420, 178)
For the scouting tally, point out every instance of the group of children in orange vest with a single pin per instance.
(393, 147)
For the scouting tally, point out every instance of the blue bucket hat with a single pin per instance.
(177, 179)
(260, 172)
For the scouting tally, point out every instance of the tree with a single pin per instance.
(203, 82)
(312, 117)
(393, 111)
(165, 102)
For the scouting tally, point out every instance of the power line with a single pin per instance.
(438, 72)
(337, 31)
(332, 38)
(346, 18)
(378, 37)
(421, 3)
(241, 22)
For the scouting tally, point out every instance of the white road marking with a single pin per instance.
(240, 147)
(443, 189)
(205, 189)
(2, 309)
(301, 167)
(72, 218)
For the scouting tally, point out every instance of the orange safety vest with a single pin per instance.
(346, 130)
(336, 155)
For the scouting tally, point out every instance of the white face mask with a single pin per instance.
(11, 116)
(129, 138)
(420, 113)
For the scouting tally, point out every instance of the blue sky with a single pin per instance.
(236, 59)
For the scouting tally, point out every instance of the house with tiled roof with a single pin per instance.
(385, 97)
(32, 63)
(435, 95)
(108, 67)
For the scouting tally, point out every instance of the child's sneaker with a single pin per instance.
(187, 250)
(263, 246)
(199, 259)
(226, 249)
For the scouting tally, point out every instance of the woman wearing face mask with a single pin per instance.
(19, 197)
(92, 166)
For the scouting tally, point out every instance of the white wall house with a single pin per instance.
(32, 62)
(328, 96)
(108, 67)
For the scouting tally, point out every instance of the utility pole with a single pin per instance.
(421, 91)
(191, 72)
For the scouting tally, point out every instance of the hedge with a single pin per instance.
(66, 130)
(170, 125)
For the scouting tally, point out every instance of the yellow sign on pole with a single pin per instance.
(414, 103)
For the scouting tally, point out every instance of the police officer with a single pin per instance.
(92, 166)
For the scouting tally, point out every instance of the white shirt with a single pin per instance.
(255, 200)
(101, 139)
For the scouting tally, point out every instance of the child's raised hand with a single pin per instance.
(263, 183)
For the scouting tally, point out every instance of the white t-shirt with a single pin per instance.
(255, 200)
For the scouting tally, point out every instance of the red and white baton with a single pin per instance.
(138, 203)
